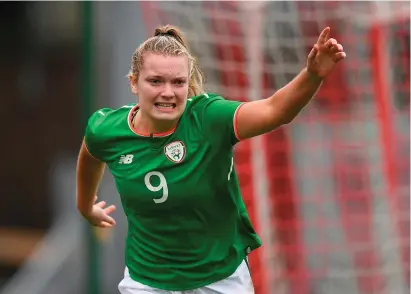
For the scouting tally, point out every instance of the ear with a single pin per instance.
(133, 85)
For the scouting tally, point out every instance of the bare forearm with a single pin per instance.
(89, 174)
(262, 116)
(293, 97)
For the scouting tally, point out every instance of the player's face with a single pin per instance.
(162, 86)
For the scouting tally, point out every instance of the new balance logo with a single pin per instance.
(126, 159)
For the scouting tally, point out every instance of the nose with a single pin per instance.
(167, 92)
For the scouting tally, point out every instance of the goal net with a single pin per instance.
(328, 193)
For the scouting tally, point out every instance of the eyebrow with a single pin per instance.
(160, 77)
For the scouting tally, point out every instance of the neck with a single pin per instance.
(145, 125)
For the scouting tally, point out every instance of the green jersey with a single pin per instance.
(187, 223)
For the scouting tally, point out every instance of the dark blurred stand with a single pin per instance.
(39, 118)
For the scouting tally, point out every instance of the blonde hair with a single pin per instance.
(169, 41)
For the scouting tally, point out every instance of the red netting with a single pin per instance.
(338, 177)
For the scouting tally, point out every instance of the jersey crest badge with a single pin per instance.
(175, 151)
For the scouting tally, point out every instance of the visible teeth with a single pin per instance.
(164, 105)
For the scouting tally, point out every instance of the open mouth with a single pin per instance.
(165, 105)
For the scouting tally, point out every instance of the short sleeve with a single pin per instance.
(92, 137)
(219, 118)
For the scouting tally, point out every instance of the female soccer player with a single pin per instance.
(172, 160)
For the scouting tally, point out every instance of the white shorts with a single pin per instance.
(238, 283)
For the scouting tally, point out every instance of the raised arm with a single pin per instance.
(89, 173)
(262, 116)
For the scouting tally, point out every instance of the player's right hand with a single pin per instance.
(99, 216)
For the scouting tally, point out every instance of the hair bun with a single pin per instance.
(170, 31)
(159, 32)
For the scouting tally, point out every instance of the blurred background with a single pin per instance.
(328, 193)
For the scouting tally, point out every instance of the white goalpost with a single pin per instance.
(252, 15)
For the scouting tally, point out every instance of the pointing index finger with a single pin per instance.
(323, 36)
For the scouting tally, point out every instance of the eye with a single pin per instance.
(180, 82)
(155, 81)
